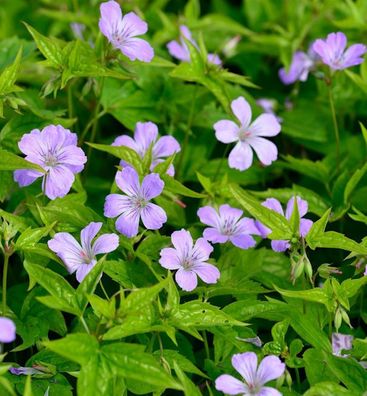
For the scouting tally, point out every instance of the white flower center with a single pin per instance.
(243, 134)
(51, 160)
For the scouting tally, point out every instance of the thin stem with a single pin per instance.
(220, 163)
(84, 323)
(5, 280)
(335, 123)
(104, 290)
(206, 345)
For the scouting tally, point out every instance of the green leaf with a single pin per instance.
(192, 10)
(353, 182)
(189, 387)
(10, 161)
(317, 229)
(31, 236)
(9, 76)
(175, 187)
(327, 389)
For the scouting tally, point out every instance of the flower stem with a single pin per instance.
(335, 123)
(5, 280)
(220, 163)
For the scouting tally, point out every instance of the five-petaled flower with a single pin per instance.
(304, 224)
(248, 136)
(254, 376)
(299, 68)
(341, 342)
(226, 225)
(7, 330)
(82, 258)
(145, 136)
(136, 203)
(121, 32)
(333, 53)
(189, 260)
(55, 150)
(180, 51)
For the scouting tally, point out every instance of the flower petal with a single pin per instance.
(229, 214)
(68, 249)
(208, 215)
(153, 217)
(266, 150)
(169, 259)
(178, 51)
(353, 55)
(226, 131)
(106, 243)
(132, 25)
(116, 204)
(246, 365)
(128, 181)
(152, 186)
(72, 156)
(208, 273)
(136, 48)
(182, 241)
(25, 177)
(7, 330)
(268, 391)
(126, 141)
(280, 246)
(273, 204)
(241, 156)
(304, 227)
(230, 385)
(214, 236)
(88, 233)
(202, 250)
(242, 110)
(58, 181)
(166, 146)
(247, 226)
(336, 43)
(111, 18)
(186, 279)
(243, 241)
(128, 223)
(301, 204)
(270, 368)
(265, 125)
(83, 270)
(145, 135)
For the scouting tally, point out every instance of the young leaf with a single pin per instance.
(10, 161)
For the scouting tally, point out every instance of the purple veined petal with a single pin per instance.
(241, 156)
(340, 342)
(183, 242)
(106, 243)
(83, 270)
(126, 141)
(128, 181)
(31, 144)
(337, 43)
(268, 391)
(72, 155)
(88, 233)
(229, 214)
(247, 226)
(25, 177)
(273, 204)
(7, 330)
(301, 204)
(128, 223)
(214, 59)
(116, 204)
(209, 216)
(242, 110)
(69, 138)
(321, 49)
(137, 48)
(230, 385)
(153, 217)
(146, 134)
(243, 241)
(186, 279)
(169, 259)
(68, 249)
(280, 246)
(178, 51)
(152, 186)
(111, 18)
(54, 137)
(270, 368)
(226, 131)
(214, 236)
(304, 227)
(202, 250)
(165, 147)
(208, 273)
(246, 365)
(265, 125)
(353, 55)
(132, 25)
(58, 181)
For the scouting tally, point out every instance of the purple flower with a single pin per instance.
(189, 260)
(268, 106)
(121, 32)
(340, 342)
(299, 68)
(25, 371)
(54, 149)
(180, 51)
(82, 258)
(248, 136)
(7, 330)
(254, 376)
(135, 203)
(227, 225)
(332, 51)
(146, 135)
(304, 226)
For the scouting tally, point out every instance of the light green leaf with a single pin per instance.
(10, 161)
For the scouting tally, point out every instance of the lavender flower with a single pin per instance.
(304, 226)
(82, 258)
(248, 136)
(7, 330)
(146, 135)
(299, 68)
(121, 32)
(255, 377)
(189, 260)
(25, 371)
(340, 342)
(135, 203)
(54, 149)
(334, 54)
(268, 106)
(227, 225)
(180, 51)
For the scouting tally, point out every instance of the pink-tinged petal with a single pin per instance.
(145, 135)
(182, 241)
(267, 391)
(226, 131)
(178, 51)
(111, 18)
(7, 330)
(209, 216)
(132, 25)
(273, 204)
(266, 150)
(126, 141)
(58, 181)
(169, 259)
(88, 233)
(301, 204)
(152, 186)
(128, 223)
(246, 365)
(208, 273)
(136, 48)
(353, 55)
(128, 181)
(270, 368)
(166, 146)
(83, 270)
(230, 385)
(243, 241)
(106, 243)
(265, 125)
(202, 250)
(241, 156)
(153, 217)
(280, 246)
(337, 43)
(229, 214)
(25, 177)
(116, 204)
(304, 227)
(242, 110)
(68, 249)
(186, 279)
(214, 59)
(214, 236)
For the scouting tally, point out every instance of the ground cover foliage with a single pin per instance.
(218, 150)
